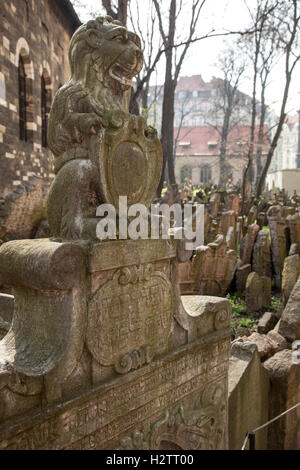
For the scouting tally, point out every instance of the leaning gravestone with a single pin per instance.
(213, 267)
(278, 241)
(102, 353)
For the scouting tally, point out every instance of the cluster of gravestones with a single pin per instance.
(255, 253)
(251, 253)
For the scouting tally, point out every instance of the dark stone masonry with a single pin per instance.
(34, 35)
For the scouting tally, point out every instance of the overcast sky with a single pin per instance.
(202, 56)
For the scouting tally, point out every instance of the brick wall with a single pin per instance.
(39, 30)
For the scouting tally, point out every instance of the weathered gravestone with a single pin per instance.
(261, 260)
(102, 353)
(290, 274)
(254, 292)
(294, 226)
(289, 324)
(233, 203)
(249, 243)
(278, 241)
(242, 274)
(213, 267)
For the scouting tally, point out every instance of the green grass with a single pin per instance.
(240, 314)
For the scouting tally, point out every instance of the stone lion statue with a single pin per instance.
(88, 122)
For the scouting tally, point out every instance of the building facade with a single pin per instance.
(198, 154)
(34, 40)
(284, 172)
(199, 109)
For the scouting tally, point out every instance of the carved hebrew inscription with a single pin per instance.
(198, 427)
(130, 314)
(105, 415)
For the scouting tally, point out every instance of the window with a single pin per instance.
(185, 173)
(205, 174)
(22, 100)
(27, 10)
(212, 143)
(44, 111)
(182, 94)
(46, 99)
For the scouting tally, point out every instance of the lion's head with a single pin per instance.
(104, 50)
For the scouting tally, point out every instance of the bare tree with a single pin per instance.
(229, 106)
(144, 24)
(117, 9)
(174, 61)
(182, 109)
(254, 43)
(287, 19)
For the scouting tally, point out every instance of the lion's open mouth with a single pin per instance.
(121, 74)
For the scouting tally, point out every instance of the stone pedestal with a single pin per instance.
(103, 354)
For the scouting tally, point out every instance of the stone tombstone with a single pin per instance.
(239, 231)
(267, 322)
(213, 231)
(241, 276)
(266, 282)
(252, 215)
(213, 267)
(289, 324)
(248, 390)
(214, 204)
(233, 203)
(294, 226)
(261, 219)
(261, 260)
(284, 375)
(246, 255)
(290, 274)
(228, 227)
(278, 241)
(294, 249)
(254, 292)
(287, 211)
(103, 353)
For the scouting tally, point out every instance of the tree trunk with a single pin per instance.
(275, 139)
(120, 14)
(224, 138)
(260, 135)
(122, 11)
(167, 125)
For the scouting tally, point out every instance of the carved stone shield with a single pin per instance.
(130, 163)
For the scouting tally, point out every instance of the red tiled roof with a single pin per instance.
(205, 140)
(195, 82)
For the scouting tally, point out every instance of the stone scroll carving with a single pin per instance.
(42, 273)
(101, 151)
